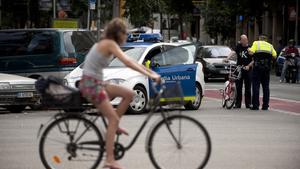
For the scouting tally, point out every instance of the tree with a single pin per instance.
(221, 14)
(220, 20)
(138, 11)
(183, 10)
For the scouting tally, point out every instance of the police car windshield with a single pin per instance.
(133, 52)
(216, 52)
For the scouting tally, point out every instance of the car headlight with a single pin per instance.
(116, 81)
(4, 86)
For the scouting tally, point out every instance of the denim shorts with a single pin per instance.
(92, 89)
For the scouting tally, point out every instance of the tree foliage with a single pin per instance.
(140, 11)
(220, 19)
(221, 14)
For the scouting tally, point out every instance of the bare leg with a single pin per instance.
(114, 91)
(113, 116)
(113, 121)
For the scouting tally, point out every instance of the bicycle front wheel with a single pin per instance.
(231, 96)
(179, 142)
(71, 143)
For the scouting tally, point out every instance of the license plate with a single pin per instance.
(25, 95)
(224, 71)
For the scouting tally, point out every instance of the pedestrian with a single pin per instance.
(95, 90)
(243, 59)
(291, 49)
(263, 53)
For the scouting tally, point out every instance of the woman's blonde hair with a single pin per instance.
(114, 29)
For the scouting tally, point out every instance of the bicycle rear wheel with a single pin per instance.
(71, 143)
(192, 147)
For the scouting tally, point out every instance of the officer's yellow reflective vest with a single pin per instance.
(263, 47)
(147, 64)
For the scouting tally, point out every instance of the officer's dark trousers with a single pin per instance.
(245, 79)
(261, 75)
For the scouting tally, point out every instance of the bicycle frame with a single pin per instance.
(232, 78)
(228, 88)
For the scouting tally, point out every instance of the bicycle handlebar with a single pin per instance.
(162, 86)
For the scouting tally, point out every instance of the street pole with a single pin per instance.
(88, 18)
(0, 14)
(98, 18)
(296, 25)
(54, 9)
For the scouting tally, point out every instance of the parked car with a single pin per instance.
(17, 92)
(280, 60)
(169, 63)
(212, 58)
(41, 52)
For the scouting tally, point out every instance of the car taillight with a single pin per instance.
(67, 61)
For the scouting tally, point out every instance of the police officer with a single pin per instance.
(243, 59)
(262, 52)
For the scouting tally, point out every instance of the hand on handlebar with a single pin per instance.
(156, 77)
(246, 67)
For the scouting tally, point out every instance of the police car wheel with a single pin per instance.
(139, 102)
(194, 105)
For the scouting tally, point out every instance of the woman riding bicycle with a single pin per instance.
(95, 90)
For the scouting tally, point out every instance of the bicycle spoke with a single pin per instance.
(56, 140)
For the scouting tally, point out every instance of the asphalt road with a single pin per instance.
(241, 139)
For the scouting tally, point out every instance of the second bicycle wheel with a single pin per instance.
(188, 147)
(71, 143)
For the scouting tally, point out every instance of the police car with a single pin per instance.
(171, 61)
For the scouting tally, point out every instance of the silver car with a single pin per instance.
(17, 92)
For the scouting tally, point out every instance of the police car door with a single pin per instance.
(173, 66)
